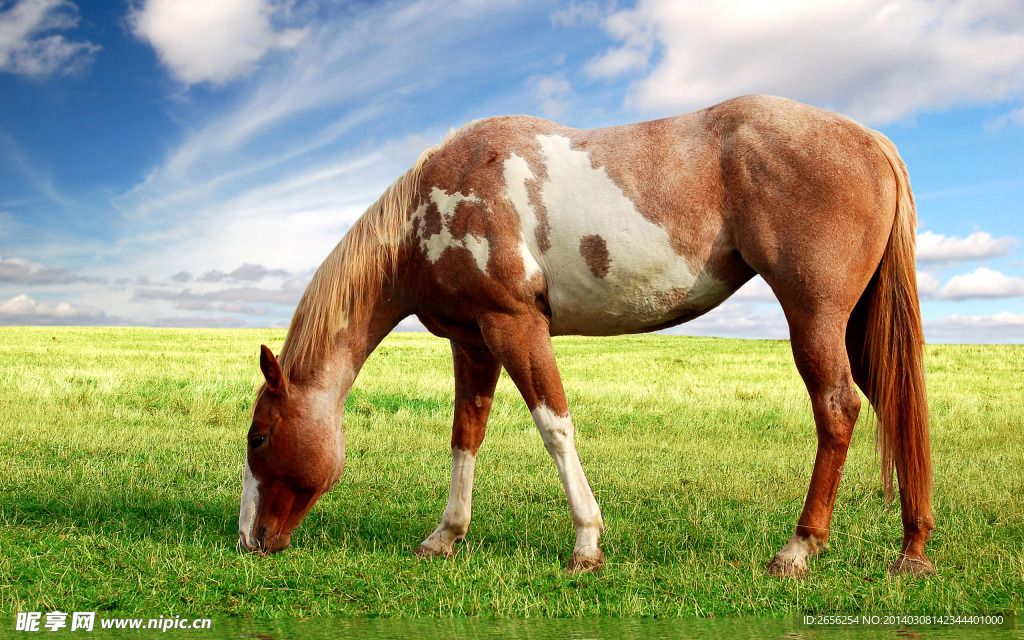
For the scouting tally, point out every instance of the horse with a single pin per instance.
(515, 229)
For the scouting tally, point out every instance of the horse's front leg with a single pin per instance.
(476, 375)
(523, 345)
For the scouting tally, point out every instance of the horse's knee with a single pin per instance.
(557, 431)
(836, 409)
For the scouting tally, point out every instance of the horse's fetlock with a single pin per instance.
(456, 528)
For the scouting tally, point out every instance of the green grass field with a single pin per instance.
(120, 469)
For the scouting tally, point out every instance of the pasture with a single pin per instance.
(121, 453)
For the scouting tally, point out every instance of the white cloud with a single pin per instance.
(246, 272)
(577, 14)
(982, 283)
(1001, 327)
(552, 93)
(876, 60)
(211, 41)
(1013, 118)
(412, 323)
(357, 68)
(980, 245)
(271, 179)
(928, 284)
(288, 294)
(289, 224)
(737, 319)
(25, 272)
(25, 47)
(24, 310)
(756, 290)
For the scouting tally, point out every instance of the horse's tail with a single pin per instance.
(889, 353)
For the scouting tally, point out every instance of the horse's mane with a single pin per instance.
(355, 269)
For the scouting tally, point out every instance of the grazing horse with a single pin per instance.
(515, 229)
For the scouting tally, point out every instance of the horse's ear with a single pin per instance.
(271, 370)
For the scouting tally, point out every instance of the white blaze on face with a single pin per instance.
(436, 244)
(247, 512)
(644, 275)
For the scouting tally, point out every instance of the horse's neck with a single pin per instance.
(356, 341)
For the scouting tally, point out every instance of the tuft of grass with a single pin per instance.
(121, 453)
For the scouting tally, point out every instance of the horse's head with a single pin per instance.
(295, 451)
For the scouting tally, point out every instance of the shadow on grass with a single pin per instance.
(381, 516)
(348, 521)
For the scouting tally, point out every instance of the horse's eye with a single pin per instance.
(256, 441)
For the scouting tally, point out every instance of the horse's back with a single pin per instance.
(619, 224)
(635, 227)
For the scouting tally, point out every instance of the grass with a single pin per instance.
(121, 454)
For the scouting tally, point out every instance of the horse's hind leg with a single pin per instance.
(819, 347)
(523, 345)
(476, 375)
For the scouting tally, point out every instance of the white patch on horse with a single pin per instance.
(457, 514)
(530, 266)
(516, 173)
(250, 504)
(436, 244)
(646, 281)
(558, 434)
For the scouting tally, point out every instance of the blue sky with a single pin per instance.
(190, 163)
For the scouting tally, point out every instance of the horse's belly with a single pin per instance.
(628, 301)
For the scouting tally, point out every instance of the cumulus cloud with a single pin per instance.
(982, 283)
(24, 272)
(980, 245)
(977, 329)
(204, 41)
(928, 284)
(412, 323)
(28, 44)
(256, 272)
(213, 276)
(245, 273)
(24, 310)
(226, 299)
(757, 290)
(876, 60)
(737, 319)
(552, 93)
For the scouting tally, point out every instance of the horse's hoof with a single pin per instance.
(434, 549)
(786, 568)
(917, 566)
(584, 562)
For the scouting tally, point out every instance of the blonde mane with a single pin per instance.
(355, 269)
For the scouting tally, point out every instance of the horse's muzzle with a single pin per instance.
(263, 544)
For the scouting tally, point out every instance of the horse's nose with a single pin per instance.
(262, 543)
(245, 541)
(274, 543)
